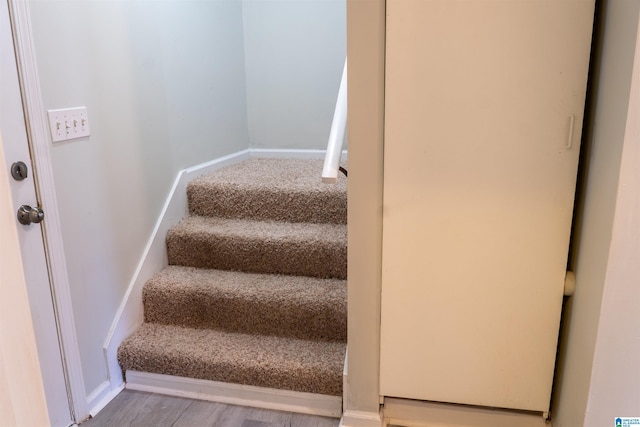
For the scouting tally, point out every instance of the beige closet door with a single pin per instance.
(484, 106)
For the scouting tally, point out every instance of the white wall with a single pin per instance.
(591, 321)
(294, 54)
(22, 400)
(164, 85)
(615, 380)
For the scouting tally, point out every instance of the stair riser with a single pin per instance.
(236, 394)
(242, 203)
(321, 320)
(316, 259)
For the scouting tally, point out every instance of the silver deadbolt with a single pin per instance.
(19, 171)
(27, 215)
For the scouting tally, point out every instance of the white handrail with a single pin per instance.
(336, 136)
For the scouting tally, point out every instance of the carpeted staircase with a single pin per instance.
(255, 291)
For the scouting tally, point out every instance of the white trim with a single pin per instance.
(276, 153)
(345, 381)
(414, 413)
(236, 394)
(101, 396)
(352, 418)
(98, 392)
(154, 258)
(336, 135)
(38, 131)
(215, 164)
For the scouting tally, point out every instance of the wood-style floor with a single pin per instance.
(140, 409)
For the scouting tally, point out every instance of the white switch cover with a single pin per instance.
(68, 123)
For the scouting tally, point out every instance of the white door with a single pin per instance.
(23, 192)
(484, 104)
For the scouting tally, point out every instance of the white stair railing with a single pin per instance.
(336, 136)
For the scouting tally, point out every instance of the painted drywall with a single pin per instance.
(164, 86)
(22, 400)
(615, 380)
(294, 55)
(605, 133)
(366, 119)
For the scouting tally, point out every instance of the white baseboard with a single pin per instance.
(236, 394)
(154, 257)
(345, 381)
(275, 153)
(352, 418)
(413, 413)
(101, 396)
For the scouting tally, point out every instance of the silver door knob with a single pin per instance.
(27, 215)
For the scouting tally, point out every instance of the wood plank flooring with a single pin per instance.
(139, 409)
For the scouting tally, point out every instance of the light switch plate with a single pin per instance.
(68, 123)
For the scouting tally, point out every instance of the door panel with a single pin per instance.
(23, 192)
(479, 180)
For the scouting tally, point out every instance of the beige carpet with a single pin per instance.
(270, 189)
(255, 292)
(260, 246)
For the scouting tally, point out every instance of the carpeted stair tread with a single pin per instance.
(295, 306)
(270, 189)
(258, 360)
(304, 249)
